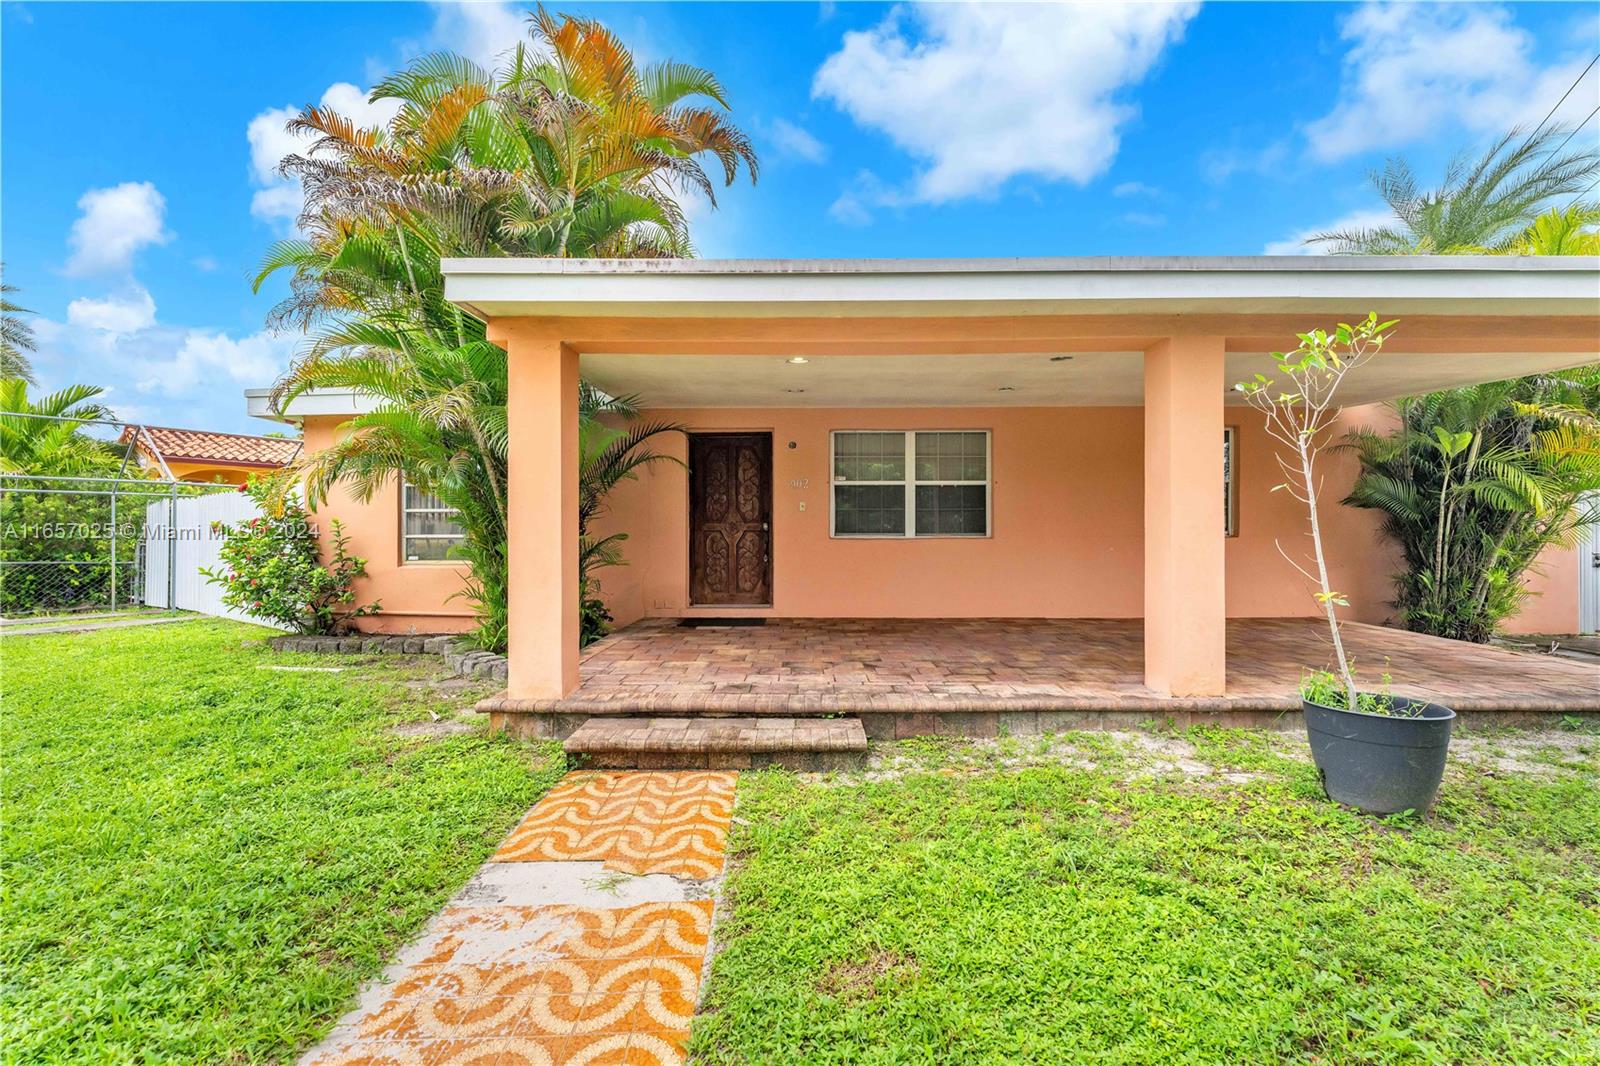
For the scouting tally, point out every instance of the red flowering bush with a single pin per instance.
(271, 569)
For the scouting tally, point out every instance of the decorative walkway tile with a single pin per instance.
(504, 978)
(637, 823)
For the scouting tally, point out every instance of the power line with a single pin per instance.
(1561, 101)
(1575, 130)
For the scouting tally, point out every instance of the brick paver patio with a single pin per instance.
(853, 665)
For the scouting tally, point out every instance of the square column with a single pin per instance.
(1185, 588)
(542, 512)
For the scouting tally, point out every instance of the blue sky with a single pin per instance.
(136, 195)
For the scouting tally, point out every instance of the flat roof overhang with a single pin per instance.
(1045, 332)
(676, 288)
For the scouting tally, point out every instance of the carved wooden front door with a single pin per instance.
(730, 518)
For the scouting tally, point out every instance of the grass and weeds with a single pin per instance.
(1150, 898)
(203, 858)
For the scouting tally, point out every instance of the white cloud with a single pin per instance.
(980, 94)
(1217, 165)
(1366, 218)
(1134, 188)
(206, 358)
(1412, 68)
(792, 140)
(128, 313)
(483, 32)
(867, 191)
(115, 223)
(1147, 219)
(172, 375)
(278, 199)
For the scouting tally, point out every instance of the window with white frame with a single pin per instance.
(1230, 476)
(923, 483)
(428, 527)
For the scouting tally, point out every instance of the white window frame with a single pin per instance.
(406, 538)
(911, 484)
(1230, 481)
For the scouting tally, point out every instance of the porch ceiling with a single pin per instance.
(1001, 379)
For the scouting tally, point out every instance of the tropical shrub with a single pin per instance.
(440, 424)
(271, 570)
(55, 550)
(1473, 484)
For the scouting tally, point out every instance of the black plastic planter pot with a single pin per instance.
(1377, 762)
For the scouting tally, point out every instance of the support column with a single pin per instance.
(542, 534)
(1185, 586)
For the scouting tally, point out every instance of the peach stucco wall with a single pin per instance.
(1067, 525)
(415, 596)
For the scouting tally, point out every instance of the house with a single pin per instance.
(921, 440)
(205, 455)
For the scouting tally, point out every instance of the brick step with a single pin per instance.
(617, 743)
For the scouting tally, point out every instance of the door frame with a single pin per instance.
(766, 502)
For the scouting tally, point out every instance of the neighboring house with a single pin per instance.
(951, 439)
(203, 455)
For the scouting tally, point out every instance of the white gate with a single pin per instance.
(179, 540)
(1589, 576)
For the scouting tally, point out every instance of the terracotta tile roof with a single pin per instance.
(200, 445)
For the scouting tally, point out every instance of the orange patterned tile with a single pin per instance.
(639, 823)
(489, 1052)
(621, 1049)
(557, 985)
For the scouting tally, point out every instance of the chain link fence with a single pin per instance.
(90, 542)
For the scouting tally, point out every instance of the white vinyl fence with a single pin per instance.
(1589, 576)
(179, 540)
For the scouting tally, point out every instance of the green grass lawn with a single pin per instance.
(1099, 906)
(203, 859)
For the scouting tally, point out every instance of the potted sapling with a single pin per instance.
(1376, 751)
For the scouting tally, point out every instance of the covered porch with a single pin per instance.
(1097, 394)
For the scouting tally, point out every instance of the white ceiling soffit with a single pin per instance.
(1086, 379)
(1508, 285)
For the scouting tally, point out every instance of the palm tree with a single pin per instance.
(439, 424)
(1473, 485)
(16, 336)
(577, 153)
(570, 149)
(43, 438)
(1484, 205)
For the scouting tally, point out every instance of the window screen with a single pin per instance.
(428, 528)
(927, 483)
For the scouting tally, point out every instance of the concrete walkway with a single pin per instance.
(582, 940)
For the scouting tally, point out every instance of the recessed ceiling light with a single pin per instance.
(794, 390)
(1007, 388)
(1060, 358)
(797, 360)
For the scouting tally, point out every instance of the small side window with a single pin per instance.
(1230, 476)
(428, 528)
